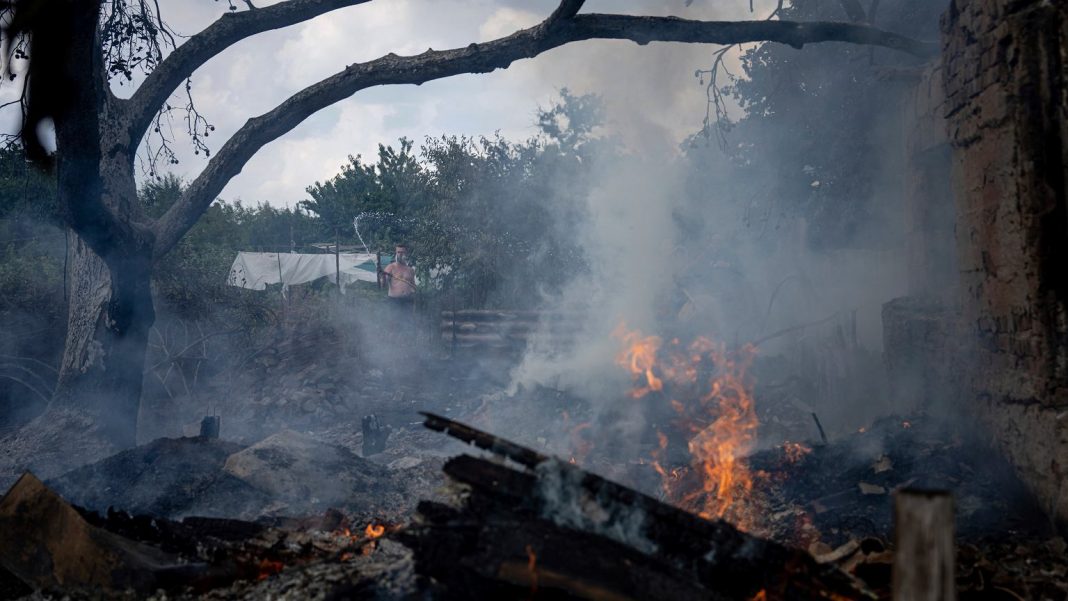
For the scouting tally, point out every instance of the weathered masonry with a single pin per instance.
(1006, 108)
(994, 111)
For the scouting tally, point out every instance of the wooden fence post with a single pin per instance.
(337, 260)
(924, 549)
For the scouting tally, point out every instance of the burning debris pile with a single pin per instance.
(542, 527)
(698, 407)
(708, 421)
(519, 524)
(546, 526)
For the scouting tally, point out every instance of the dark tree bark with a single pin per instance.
(110, 305)
(108, 319)
(89, 286)
(97, 136)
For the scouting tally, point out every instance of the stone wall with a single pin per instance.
(1007, 115)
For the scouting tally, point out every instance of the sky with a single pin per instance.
(653, 98)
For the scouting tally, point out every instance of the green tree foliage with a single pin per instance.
(512, 212)
(25, 193)
(391, 191)
(32, 245)
(190, 281)
(490, 221)
(821, 127)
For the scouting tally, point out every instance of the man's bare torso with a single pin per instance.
(401, 280)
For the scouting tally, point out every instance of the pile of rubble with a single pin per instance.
(208, 519)
(535, 526)
(843, 488)
(284, 474)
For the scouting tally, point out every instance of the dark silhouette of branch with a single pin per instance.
(484, 58)
(566, 10)
(714, 95)
(198, 49)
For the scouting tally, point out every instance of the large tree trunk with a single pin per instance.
(109, 316)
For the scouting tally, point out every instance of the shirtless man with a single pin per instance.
(399, 278)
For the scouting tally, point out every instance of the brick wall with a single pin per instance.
(1006, 110)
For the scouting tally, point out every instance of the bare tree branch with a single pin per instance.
(197, 50)
(566, 10)
(484, 58)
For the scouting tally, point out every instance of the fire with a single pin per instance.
(707, 390)
(373, 531)
(639, 356)
(532, 567)
(795, 451)
(581, 442)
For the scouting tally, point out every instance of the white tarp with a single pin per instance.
(256, 270)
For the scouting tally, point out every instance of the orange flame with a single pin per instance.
(639, 357)
(532, 567)
(373, 531)
(795, 451)
(716, 414)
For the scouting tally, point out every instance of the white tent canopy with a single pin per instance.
(255, 270)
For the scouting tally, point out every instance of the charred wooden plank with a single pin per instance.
(495, 553)
(483, 440)
(48, 545)
(709, 554)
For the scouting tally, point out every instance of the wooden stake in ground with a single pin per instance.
(924, 548)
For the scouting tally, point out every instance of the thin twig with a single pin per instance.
(786, 331)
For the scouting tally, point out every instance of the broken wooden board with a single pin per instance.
(49, 546)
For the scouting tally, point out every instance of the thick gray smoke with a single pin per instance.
(630, 241)
(667, 255)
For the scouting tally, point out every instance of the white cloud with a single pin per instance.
(505, 21)
(651, 92)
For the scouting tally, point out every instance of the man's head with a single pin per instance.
(400, 254)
